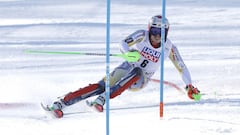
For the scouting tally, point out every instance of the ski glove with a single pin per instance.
(132, 56)
(193, 92)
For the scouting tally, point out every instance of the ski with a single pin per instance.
(67, 114)
(45, 107)
(112, 109)
(51, 112)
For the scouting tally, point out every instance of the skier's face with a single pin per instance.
(155, 35)
(156, 38)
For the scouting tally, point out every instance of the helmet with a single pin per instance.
(156, 22)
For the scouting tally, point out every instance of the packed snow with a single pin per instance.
(207, 35)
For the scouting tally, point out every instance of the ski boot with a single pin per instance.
(97, 104)
(55, 110)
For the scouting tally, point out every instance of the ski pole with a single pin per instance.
(129, 56)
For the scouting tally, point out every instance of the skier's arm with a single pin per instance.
(179, 64)
(193, 92)
(127, 43)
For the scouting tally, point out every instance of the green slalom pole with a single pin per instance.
(129, 56)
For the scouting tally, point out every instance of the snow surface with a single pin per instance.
(206, 32)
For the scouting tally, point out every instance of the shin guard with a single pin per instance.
(83, 93)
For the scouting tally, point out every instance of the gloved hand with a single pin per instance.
(132, 56)
(193, 93)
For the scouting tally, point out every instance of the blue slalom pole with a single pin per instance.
(107, 86)
(162, 56)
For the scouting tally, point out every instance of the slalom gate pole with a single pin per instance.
(162, 57)
(107, 86)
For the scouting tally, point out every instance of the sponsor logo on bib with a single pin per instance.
(151, 54)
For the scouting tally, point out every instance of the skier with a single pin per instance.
(132, 75)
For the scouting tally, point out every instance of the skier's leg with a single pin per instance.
(115, 77)
(139, 84)
(131, 78)
(83, 93)
(119, 72)
(80, 94)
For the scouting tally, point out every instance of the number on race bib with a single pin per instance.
(144, 63)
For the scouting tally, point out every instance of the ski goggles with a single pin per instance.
(155, 31)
